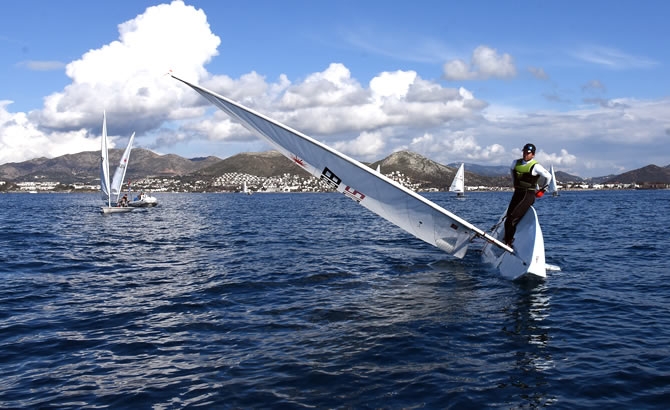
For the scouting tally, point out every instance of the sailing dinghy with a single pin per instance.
(115, 188)
(553, 185)
(376, 192)
(458, 184)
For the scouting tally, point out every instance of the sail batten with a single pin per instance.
(399, 205)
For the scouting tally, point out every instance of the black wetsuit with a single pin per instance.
(522, 199)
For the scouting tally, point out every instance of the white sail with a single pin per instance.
(553, 185)
(383, 196)
(104, 162)
(245, 190)
(458, 184)
(120, 173)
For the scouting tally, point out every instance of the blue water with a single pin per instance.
(310, 301)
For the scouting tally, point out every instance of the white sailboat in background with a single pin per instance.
(553, 185)
(458, 184)
(105, 187)
(401, 206)
(245, 190)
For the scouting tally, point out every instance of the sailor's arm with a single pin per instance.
(545, 176)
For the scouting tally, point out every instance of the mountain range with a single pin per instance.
(83, 168)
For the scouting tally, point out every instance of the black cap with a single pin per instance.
(529, 148)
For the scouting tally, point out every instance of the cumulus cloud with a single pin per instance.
(21, 140)
(563, 159)
(366, 146)
(127, 75)
(485, 63)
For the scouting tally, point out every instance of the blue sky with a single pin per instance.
(586, 81)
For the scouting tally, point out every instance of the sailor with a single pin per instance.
(526, 173)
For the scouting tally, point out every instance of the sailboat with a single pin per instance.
(111, 189)
(458, 184)
(245, 190)
(553, 185)
(399, 205)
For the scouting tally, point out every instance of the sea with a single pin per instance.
(310, 301)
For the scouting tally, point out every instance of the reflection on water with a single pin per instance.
(529, 331)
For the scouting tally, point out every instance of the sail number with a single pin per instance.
(334, 182)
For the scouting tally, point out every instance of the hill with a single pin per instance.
(432, 174)
(651, 174)
(262, 164)
(84, 167)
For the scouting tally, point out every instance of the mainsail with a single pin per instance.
(458, 184)
(383, 196)
(104, 161)
(553, 185)
(120, 173)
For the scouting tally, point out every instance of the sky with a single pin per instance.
(588, 82)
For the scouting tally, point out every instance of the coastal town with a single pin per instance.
(234, 182)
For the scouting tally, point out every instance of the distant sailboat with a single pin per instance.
(399, 205)
(458, 184)
(553, 185)
(105, 187)
(245, 190)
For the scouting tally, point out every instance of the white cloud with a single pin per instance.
(366, 146)
(127, 75)
(485, 63)
(21, 140)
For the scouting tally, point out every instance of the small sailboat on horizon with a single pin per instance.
(245, 190)
(553, 185)
(458, 184)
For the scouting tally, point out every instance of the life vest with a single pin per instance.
(523, 177)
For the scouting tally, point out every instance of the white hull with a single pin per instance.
(115, 209)
(146, 202)
(528, 257)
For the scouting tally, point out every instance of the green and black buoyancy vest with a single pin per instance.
(523, 177)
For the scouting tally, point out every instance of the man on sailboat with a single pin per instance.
(526, 173)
